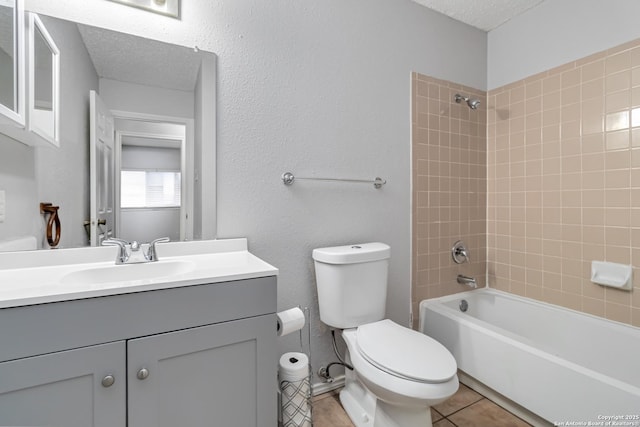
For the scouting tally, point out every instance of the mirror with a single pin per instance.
(11, 62)
(141, 82)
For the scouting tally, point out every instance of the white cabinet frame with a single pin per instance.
(35, 122)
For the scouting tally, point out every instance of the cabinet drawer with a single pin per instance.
(45, 328)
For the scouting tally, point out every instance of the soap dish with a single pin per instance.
(612, 274)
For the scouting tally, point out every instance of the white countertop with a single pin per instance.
(44, 276)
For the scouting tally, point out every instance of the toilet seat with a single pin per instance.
(393, 388)
(405, 353)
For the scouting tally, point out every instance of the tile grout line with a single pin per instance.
(473, 403)
(464, 407)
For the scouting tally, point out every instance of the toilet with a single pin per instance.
(398, 373)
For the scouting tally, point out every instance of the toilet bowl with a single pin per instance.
(398, 373)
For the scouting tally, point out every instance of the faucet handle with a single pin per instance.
(114, 241)
(152, 254)
(122, 244)
(460, 253)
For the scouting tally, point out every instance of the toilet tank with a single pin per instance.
(352, 283)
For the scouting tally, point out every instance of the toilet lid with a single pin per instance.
(405, 353)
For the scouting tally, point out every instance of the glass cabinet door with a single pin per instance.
(12, 75)
(44, 69)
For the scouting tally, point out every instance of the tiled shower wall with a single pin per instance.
(449, 187)
(564, 182)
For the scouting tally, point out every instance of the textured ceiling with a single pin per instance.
(483, 14)
(127, 58)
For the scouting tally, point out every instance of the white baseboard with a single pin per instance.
(322, 387)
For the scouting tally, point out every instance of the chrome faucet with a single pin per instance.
(132, 252)
(466, 280)
(123, 255)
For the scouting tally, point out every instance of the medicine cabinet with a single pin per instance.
(29, 78)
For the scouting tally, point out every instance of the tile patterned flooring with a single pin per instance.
(466, 408)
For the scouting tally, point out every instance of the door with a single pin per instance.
(69, 388)
(217, 375)
(101, 170)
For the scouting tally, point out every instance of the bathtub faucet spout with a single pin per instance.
(466, 280)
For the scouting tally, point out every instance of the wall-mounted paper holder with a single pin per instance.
(612, 274)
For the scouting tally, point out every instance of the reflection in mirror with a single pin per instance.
(149, 186)
(7, 65)
(43, 90)
(151, 198)
(11, 62)
(44, 81)
(139, 80)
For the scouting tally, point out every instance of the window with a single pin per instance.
(149, 189)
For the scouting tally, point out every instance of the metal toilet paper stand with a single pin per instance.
(295, 396)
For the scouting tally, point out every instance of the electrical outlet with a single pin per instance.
(3, 206)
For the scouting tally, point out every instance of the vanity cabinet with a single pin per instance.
(189, 356)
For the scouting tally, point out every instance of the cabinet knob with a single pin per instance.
(108, 381)
(142, 373)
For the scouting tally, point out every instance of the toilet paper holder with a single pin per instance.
(290, 320)
(294, 384)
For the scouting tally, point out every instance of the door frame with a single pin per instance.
(100, 116)
(186, 163)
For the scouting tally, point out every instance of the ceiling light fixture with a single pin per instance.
(164, 7)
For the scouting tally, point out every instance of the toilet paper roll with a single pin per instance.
(295, 390)
(293, 367)
(290, 321)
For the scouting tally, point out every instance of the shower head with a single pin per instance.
(472, 103)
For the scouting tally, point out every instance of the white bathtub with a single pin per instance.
(560, 364)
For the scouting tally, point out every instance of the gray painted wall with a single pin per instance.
(144, 225)
(557, 32)
(18, 181)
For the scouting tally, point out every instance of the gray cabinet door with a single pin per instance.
(219, 375)
(65, 388)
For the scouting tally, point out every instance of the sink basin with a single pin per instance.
(128, 272)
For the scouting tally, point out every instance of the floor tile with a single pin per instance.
(444, 423)
(327, 412)
(463, 397)
(485, 413)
